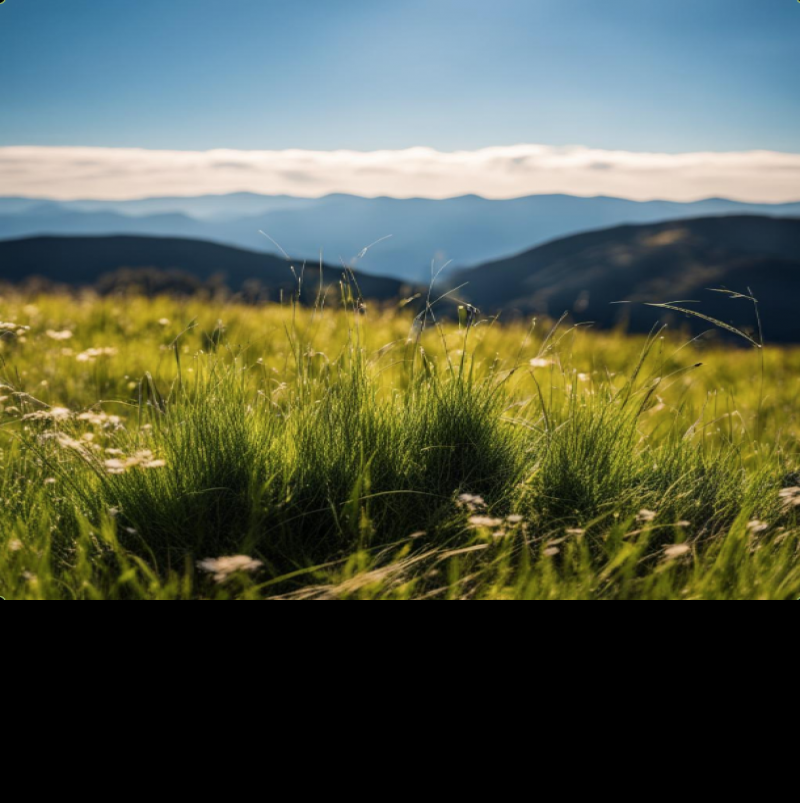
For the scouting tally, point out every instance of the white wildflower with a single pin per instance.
(65, 334)
(790, 497)
(14, 546)
(164, 322)
(757, 527)
(646, 516)
(552, 551)
(541, 362)
(91, 355)
(515, 519)
(224, 568)
(485, 522)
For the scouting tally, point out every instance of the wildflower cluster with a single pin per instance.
(102, 420)
(52, 415)
(13, 330)
(471, 503)
(142, 459)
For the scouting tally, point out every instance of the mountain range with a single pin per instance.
(468, 230)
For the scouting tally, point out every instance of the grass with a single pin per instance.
(348, 456)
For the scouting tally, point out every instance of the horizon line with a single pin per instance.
(478, 196)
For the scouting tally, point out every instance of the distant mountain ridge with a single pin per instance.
(587, 275)
(469, 230)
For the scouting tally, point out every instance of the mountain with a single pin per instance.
(469, 230)
(202, 207)
(585, 275)
(588, 274)
(93, 261)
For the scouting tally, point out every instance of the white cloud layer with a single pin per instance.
(500, 172)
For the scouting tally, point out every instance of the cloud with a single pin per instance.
(498, 172)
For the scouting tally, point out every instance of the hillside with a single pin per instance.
(83, 261)
(587, 274)
(469, 230)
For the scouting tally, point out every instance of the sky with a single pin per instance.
(620, 84)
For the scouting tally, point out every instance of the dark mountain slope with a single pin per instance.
(586, 274)
(83, 261)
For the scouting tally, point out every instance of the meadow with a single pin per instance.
(194, 449)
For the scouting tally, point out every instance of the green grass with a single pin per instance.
(352, 456)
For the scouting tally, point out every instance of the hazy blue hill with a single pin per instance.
(15, 206)
(58, 220)
(469, 230)
(204, 207)
(84, 261)
(680, 260)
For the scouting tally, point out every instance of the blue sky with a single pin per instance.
(636, 75)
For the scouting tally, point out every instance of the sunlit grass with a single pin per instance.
(341, 455)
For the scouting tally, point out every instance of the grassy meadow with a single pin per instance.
(187, 449)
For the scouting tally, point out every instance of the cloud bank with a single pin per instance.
(498, 172)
